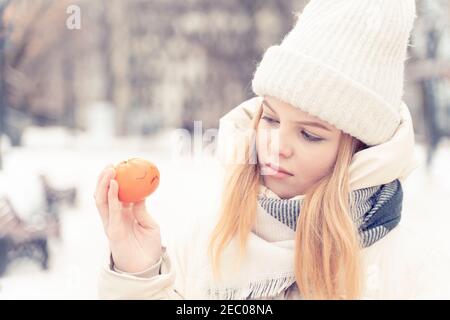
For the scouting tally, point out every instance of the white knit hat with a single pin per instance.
(343, 62)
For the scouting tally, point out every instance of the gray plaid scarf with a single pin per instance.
(375, 210)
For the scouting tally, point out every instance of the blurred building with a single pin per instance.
(159, 63)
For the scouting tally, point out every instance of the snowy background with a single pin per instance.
(186, 185)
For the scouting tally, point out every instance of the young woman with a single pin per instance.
(312, 208)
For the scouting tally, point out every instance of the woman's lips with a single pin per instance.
(275, 171)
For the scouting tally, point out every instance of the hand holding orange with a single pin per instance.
(134, 236)
(137, 179)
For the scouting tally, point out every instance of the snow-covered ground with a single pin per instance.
(77, 161)
(186, 184)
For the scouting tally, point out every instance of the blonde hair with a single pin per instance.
(327, 262)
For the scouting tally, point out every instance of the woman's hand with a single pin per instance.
(134, 236)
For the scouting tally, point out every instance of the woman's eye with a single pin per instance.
(310, 137)
(269, 120)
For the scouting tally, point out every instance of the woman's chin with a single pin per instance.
(279, 187)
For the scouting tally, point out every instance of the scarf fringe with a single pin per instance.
(256, 290)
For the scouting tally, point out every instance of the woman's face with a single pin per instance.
(301, 145)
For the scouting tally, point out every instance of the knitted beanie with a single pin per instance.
(343, 62)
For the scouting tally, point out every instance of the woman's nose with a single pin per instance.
(278, 144)
(285, 148)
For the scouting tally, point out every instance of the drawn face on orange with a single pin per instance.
(137, 179)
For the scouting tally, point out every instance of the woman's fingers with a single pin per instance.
(101, 193)
(100, 179)
(114, 205)
(100, 176)
(141, 215)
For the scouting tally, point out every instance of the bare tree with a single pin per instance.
(3, 34)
